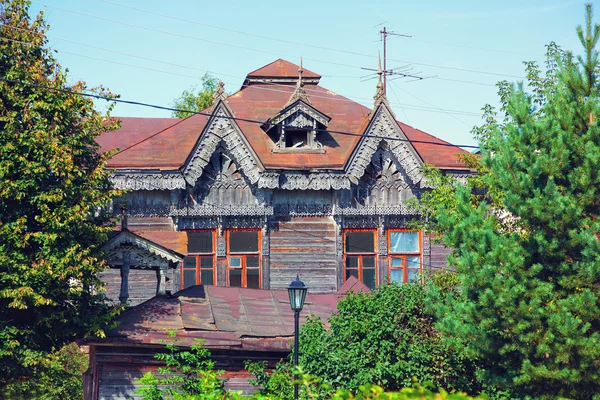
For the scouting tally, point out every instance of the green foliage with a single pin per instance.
(194, 99)
(529, 256)
(53, 183)
(387, 338)
(187, 372)
(57, 376)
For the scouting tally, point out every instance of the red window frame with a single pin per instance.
(244, 256)
(360, 256)
(404, 257)
(199, 256)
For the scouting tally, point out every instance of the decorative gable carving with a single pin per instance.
(221, 128)
(383, 173)
(383, 126)
(128, 238)
(296, 128)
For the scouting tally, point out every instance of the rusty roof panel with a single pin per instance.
(281, 68)
(224, 316)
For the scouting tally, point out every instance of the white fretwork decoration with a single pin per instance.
(383, 128)
(128, 238)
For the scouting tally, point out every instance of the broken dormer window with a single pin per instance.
(297, 128)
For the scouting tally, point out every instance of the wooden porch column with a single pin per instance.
(124, 295)
(161, 281)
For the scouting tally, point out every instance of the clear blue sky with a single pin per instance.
(452, 41)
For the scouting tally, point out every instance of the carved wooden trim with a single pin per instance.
(221, 128)
(147, 181)
(383, 125)
(126, 237)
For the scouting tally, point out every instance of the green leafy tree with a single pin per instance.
(53, 184)
(195, 99)
(528, 256)
(57, 376)
(385, 338)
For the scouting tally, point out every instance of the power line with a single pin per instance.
(409, 106)
(211, 114)
(265, 51)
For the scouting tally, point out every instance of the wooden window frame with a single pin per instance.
(360, 255)
(198, 257)
(243, 256)
(404, 256)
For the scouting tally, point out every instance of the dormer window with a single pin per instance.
(297, 128)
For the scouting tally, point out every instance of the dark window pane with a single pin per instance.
(243, 242)
(206, 277)
(368, 262)
(351, 272)
(369, 278)
(200, 242)
(396, 275)
(351, 262)
(252, 278)
(206, 262)
(252, 262)
(189, 262)
(235, 277)
(360, 242)
(189, 278)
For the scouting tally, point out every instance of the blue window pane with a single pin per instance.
(397, 262)
(413, 275)
(404, 242)
(414, 262)
(235, 262)
(396, 276)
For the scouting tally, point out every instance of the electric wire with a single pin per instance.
(211, 114)
(267, 51)
(307, 89)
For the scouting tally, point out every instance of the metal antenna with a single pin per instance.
(401, 72)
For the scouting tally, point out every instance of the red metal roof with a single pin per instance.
(166, 143)
(226, 317)
(282, 69)
(171, 240)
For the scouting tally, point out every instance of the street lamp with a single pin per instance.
(297, 292)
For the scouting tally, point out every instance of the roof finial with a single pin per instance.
(219, 93)
(299, 93)
(380, 93)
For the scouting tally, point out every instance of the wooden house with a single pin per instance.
(282, 177)
(279, 178)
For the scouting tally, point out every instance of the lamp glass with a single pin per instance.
(297, 292)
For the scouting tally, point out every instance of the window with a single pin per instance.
(199, 265)
(296, 138)
(243, 258)
(360, 257)
(405, 256)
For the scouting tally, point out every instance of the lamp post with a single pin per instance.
(297, 292)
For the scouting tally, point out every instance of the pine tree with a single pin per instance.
(529, 259)
(52, 185)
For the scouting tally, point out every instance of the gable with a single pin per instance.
(383, 128)
(222, 128)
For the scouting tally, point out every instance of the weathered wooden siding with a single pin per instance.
(119, 369)
(439, 252)
(142, 284)
(304, 245)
